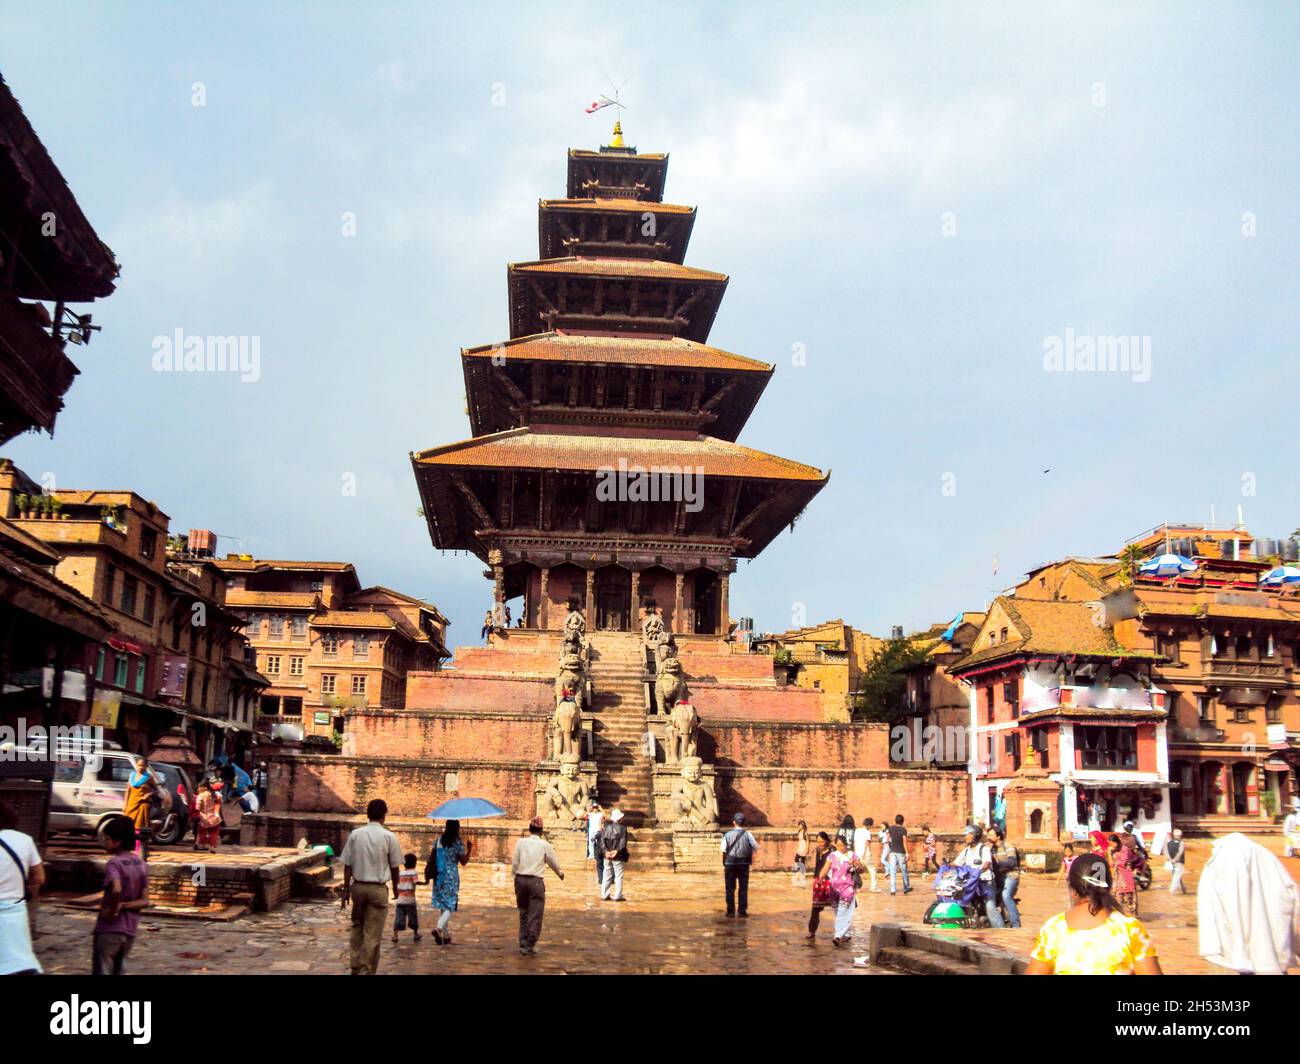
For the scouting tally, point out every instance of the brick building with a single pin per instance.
(175, 655)
(827, 657)
(1046, 674)
(326, 643)
(1215, 643)
(938, 700)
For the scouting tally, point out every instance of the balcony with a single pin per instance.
(1119, 699)
(1200, 733)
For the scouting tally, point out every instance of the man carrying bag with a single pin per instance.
(738, 847)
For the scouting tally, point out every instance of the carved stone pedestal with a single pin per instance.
(1031, 799)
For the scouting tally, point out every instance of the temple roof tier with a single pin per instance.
(601, 486)
(613, 228)
(616, 174)
(619, 381)
(642, 296)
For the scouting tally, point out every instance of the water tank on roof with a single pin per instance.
(1291, 549)
(1184, 546)
(1265, 548)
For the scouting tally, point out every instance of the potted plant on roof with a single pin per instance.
(56, 508)
(23, 504)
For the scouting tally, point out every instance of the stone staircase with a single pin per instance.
(624, 761)
(1217, 825)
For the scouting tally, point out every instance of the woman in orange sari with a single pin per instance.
(140, 791)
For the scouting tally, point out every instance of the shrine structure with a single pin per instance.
(605, 492)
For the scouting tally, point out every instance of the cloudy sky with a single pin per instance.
(918, 198)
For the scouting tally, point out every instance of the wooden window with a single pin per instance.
(1106, 747)
(329, 644)
(1205, 708)
(141, 667)
(361, 647)
(273, 665)
(327, 683)
(110, 578)
(358, 685)
(119, 670)
(295, 666)
(148, 543)
(300, 627)
(276, 629)
(149, 602)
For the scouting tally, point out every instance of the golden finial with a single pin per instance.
(617, 142)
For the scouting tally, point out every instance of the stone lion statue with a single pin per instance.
(682, 733)
(564, 802)
(670, 685)
(693, 803)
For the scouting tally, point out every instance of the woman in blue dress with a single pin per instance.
(443, 870)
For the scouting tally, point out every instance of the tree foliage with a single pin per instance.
(882, 689)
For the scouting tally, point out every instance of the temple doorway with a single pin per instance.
(705, 587)
(613, 599)
(1243, 783)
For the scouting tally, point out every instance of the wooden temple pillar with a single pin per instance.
(589, 608)
(499, 594)
(724, 606)
(543, 605)
(634, 618)
(678, 627)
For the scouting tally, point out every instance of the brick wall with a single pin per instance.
(326, 784)
(480, 735)
(807, 745)
(782, 796)
(457, 691)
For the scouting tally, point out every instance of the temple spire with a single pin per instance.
(617, 141)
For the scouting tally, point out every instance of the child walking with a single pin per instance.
(931, 851)
(406, 912)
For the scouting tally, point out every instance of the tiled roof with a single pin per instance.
(638, 157)
(558, 347)
(249, 564)
(637, 269)
(1286, 610)
(612, 204)
(284, 599)
(353, 619)
(1051, 628)
(526, 449)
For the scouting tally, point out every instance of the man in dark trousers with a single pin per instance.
(528, 863)
(738, 847)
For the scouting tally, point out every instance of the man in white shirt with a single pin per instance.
(21, 877)
(862, 848)
(372, 861)
(528, 863)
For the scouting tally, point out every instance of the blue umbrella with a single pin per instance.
(1283, 574)
(1167, 565)
(466, 809)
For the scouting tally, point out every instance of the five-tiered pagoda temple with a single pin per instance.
(608, 370)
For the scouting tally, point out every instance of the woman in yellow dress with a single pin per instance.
(1093, 937)
(140, 790)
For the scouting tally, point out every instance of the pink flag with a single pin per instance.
(598, 104)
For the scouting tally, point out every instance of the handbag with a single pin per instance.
(821, 892)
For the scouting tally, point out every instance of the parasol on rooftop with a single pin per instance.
(1282, 576)
(1167, 565)
(466, 809)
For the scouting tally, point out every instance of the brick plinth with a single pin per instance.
(411, 787)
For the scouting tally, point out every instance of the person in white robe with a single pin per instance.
(1247, 909)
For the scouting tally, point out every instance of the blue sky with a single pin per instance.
(917, 196)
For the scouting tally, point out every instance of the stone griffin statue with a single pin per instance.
(681, 735)
(575, 627)
(694, 805)
(564, 802)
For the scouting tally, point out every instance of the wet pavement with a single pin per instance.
(669, 924)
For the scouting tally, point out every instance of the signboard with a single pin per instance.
(175, 667)
(320, 717)
(105, 708)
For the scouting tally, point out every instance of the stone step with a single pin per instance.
(922, 962)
